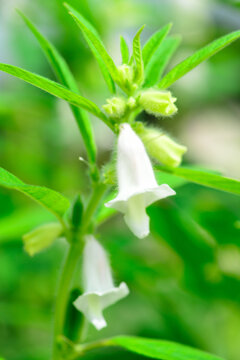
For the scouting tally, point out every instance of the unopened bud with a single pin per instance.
(115, 107)
(158, 103)
(41, 237)
(162, 147)
(126, 77)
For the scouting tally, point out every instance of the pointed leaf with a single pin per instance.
(161, 349)
(105, 61)
(53, 88)
(50, 199)
(153, 43)
(65, 76)
(137, 55)
(124, 50)
(192, 61)
(208, 179)
(160, 60)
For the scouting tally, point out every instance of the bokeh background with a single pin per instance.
(185, 277)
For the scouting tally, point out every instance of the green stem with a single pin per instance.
(92, 205)
(63, 293)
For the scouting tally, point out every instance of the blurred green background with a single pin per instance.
(184, 278)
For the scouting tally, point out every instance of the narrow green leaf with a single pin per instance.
(137, 55)
(65, 76)
(204, 178)
(192, 61)
(154, 42)
(50, 199)
(124, 50)
(161, 349)
(53, 88)
(160, 60)
(107, 66)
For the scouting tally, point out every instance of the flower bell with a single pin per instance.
(138, 187)
(99, 289)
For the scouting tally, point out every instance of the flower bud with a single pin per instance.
(75, 216)
(41, 237)
(115, 107)
(158, 103)
(162, 147)
(126, 77)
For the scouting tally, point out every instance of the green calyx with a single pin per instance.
(158, 102)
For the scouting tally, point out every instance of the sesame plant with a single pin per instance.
(143, 155)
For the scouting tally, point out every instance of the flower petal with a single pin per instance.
(136, 217)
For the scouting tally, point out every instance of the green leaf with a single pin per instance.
(153, 43)
(53, 88)
(65, 76)
(192, 61)
(161, 349)
(22, 221)
(50, 199)
(137, 55)
(160, 60)
(124, 50)
(107, 66)
(204, 178)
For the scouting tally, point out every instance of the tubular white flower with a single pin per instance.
(99, 289)
(137, 185)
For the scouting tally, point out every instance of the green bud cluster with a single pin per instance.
(126, 75)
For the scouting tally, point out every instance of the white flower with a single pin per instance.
(137, 185)
(99, 289)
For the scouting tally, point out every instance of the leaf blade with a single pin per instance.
(211, 180)
(53, 88)
(160, 60)
(161, 349)
(65, 76)
(137, 55)
(105, 61)
(154, 42)
(50, 199)
(124, 50)
(192, 61)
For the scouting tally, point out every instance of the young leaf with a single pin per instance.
(65, 76)
(53, 88)
(160, 60)
(153, 43)
(124, 50)
(204, 178)
(137, 55)
(161, 349)
(192, 61)
(104, 59)
(50, 199)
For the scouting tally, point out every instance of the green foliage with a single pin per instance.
(192, 61)
(159, 349)
(153, 44)
(205, 178)
(124, 50)
(53, 88)
(160, 60)
(105, 62)
(137, 56)
(50, 199)
(65, 76)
